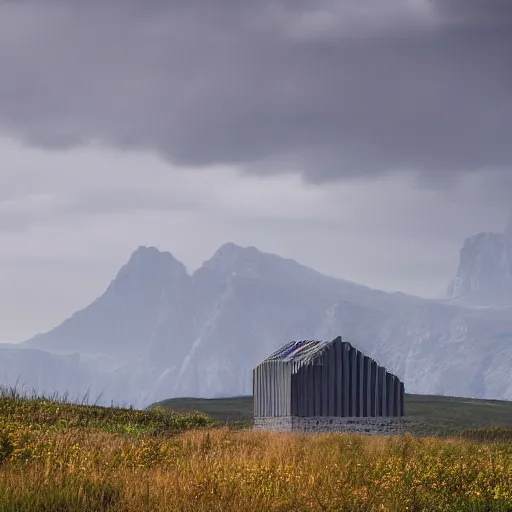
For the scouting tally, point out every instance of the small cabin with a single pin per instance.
(325, 379)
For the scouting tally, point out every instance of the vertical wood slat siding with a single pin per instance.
(296, 379)
(272, 401)
(263, 398)
(311, 389)
(360, 384)
(390, 386)
(382, 392)
(378, 387)
(286, 393)
(373, 387)
(282, 398)
(280, 388)
(271, 384)
(270, 394)
(276, 378)
(385, 395)
(402, 397)
(368, 399)
(268, 386)
(262, 390)
(255, 411)
(300, 395)
(257, 398)
(366, 386)
(344, 383)
(338, 347)
(330, 360)
(364, 389)
(325, 391)
(352, 385)
(294, 394)
(307, 395)
(317, 378)
(397, 410)
(304, 389)
(345, 375)
(277, 381)
(288, 409)
(297, 393)
(289, 397)
(307, 388)
(275, 385)
(268, 391)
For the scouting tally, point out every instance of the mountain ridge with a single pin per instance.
(235, 262)
(158, 331)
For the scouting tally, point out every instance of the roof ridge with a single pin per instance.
(301, 352)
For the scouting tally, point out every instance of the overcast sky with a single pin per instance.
(364, 138)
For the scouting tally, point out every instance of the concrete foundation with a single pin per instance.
(323, 424)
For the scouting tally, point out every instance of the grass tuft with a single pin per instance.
(62, 457)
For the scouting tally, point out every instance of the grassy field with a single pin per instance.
(428, 415)
(59, 457)
(237, 411)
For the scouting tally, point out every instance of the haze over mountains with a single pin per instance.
(158, 332)
(484, 277)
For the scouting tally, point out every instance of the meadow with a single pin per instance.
(427, 415)
(56, 456)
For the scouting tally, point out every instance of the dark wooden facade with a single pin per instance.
(330, 379)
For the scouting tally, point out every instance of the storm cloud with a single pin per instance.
(327, 89)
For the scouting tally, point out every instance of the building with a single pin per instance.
(331, 382)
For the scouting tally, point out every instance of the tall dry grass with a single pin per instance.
(82, 467)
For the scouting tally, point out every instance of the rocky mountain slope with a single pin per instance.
(484, 276)
(159, 332)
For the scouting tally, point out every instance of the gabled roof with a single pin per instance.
(300, 352)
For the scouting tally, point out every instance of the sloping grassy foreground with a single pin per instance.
(67, 458)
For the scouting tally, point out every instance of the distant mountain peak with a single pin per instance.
(144, 256)
(121, 320)
(150, 252)
(484, 275)
(148, 266)
(230, 248)
(229, 256)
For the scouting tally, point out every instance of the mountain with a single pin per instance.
(122, 321)
(484, 276)
(159, 332)
(33, 370)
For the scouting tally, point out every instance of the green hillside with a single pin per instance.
(428, 415)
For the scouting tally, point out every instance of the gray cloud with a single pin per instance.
(70, 219)
(475, 12)
(327, 90)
